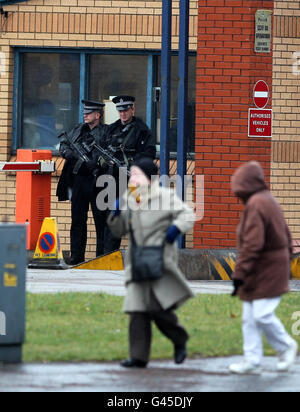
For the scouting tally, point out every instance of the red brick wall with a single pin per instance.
(227, 70)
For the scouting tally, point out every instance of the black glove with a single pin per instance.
(237, 283)
(91, 166)
(68, 154)
(102, 162)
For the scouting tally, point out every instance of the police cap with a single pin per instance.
(91, 106)
(123, 102)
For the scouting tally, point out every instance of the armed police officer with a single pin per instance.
(79, 175)
(129, 139)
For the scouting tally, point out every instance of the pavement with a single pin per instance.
(162, 376)
(196, 375)
(111, 282)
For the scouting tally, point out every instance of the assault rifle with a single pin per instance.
(78, 149)
(86, 151)
(106, 155)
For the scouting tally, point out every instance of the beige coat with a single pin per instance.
(151, 219)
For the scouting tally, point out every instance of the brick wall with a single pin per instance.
(285, 172)
(227, 70)
(75, 24)
(92, 23)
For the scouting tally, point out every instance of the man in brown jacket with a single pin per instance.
(262, 272)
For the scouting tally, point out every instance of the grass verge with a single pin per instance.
(92, 327)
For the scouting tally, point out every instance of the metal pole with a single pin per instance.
(166, 86)
(182, 100)
(83, 85)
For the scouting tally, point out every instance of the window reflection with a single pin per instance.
(51, 87)
(114, 75)
(50, 98)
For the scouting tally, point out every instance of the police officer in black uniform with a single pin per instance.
(78, 179)
(130, 136)
(129, 139)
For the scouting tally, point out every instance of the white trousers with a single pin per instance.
(259, 318)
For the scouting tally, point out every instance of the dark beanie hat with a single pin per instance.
(147, 166)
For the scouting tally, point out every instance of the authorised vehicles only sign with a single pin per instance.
(260, 123)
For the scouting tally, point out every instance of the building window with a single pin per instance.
(113, 75)
(190, 131)
(50, 84)
(50, 98)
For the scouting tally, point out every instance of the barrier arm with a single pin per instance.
(39, 167)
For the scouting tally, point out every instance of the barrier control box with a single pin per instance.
(13, 260)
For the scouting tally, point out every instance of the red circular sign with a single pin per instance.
(47, 243)
(261, 94)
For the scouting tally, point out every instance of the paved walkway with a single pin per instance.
(196, 375)
(71, 280)
(54, 281)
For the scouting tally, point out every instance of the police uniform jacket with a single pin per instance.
(137, 140)
(79, 132)
(150, 222)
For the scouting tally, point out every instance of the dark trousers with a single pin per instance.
(111, 243)
(140, 332)
(85, 194)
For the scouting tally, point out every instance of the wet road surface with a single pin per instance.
(196, 375)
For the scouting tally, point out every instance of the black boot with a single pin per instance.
(133, 363)
(180, 354)
(75, 260)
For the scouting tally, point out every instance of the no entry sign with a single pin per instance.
(260, 123)
(261, 94)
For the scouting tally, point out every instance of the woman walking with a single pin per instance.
(155, 217)
(262, 272)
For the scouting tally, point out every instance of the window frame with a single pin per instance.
(8, 2)
(84, 53)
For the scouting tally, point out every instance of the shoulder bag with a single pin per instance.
(147, 261)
